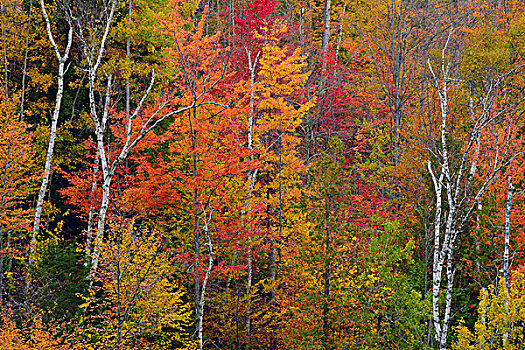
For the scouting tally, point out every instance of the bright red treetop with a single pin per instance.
(255, 15)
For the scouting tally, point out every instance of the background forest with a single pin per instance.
(262, 174)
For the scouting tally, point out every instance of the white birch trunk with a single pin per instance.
(326, 32)
(457, 181)
(252, 176)
(62, 59)
(506, 252)
(340, 35)
(202, 300)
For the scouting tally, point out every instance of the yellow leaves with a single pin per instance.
(189, 8)
(84, 305)
(496, 40)
(499, 314)
(144, 297)
(370, 280)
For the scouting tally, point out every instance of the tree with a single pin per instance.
(32, 335)
(394, 32)
(62, 60)
(348, 276)
(135, 126)
(453, 178)
(142, 301)
(325, 246)
(500, 316)
(16, 163)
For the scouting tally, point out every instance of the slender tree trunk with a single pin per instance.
(252, 178)
(107, 170)
(2, 204)
(506, 252)
(94, 55)
(128, 55)
(200, 306)
(24, 70)
(442, 247)
(448, 301)
(106, 185)
(49, 158)
(327, 273)
(89, 233)
(62, 59)
(326, 32)
(478, 248)
(340, 36)
(453, 188)
(196, 223)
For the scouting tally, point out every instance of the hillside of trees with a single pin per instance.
(262, 174)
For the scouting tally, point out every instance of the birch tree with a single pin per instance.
(459, 184)
(87, 32)
(326, 32)
(252, 65)
(62, 69)
(201, 300)
(149, 111)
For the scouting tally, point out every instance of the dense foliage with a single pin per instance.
(262, 174)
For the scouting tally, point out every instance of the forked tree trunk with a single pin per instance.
(455, 185)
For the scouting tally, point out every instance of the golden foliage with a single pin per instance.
(144, 303)
(500, 320)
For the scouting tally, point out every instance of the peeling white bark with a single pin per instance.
(202, 300)
(454, 184)
(62, 59)
(89, 233)
(252, 65)
(506, 252)
(326, 32)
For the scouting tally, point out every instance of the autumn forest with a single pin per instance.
(262, 174)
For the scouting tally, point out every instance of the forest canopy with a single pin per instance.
(262, 174)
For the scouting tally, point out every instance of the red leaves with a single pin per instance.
(255, 15)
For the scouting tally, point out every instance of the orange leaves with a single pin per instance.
(32, 335)
(16, 163)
